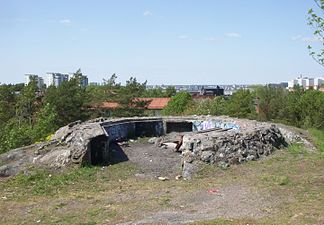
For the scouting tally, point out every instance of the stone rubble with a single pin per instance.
(230, 147)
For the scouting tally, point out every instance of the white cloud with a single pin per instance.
(306, 39)
(296, 38)
(147, 13)
(183, 37)
(209, 39)
(233, 34)
(65, 22)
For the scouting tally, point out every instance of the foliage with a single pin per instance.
(67, 101)
(270, 102)
(316, 21)
(7, 103)
(45, 123)
(178, 104)
(241, 104)
(318, 138)
(125, 98)
(14, 135)
(27, 103)
(215, 106)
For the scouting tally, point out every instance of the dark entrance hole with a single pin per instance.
(182, 126)
(99, 150)
(116, 153)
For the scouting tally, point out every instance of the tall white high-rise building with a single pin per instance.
(306, 83)
(318, 81)
(56, 79)
(39, 80)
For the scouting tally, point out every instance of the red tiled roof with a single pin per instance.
(109, 105)
(153, 103)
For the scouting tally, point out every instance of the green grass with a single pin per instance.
(318, 138)
(42, 182)
(297, 149)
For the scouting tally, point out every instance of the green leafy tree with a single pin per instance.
(28, 103)
(241, 104)
(215, 106)
(312, 109)
(270, 102)
(46, 123)
(292, 109)
(178, 104)
(7, 103)
(316, 21)
(15, 134)
(126, 96)
(170, 91)
(67, 101)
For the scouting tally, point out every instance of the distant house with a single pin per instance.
(209, 91)
(153, 107)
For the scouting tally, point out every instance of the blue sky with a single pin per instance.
(161, 41)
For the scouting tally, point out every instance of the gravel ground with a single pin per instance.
(153, 161)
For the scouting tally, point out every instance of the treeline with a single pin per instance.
(29, 114)
(297, 108)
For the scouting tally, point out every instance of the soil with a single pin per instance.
(152, 161)
(232, 201)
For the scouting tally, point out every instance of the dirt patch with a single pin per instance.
(152, 161)
(234, 201)
(185, 206)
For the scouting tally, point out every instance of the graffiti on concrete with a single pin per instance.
(199, 125)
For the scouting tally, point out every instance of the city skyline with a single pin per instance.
(163, 42)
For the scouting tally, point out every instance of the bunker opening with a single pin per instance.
(99, 150)
(178, 126)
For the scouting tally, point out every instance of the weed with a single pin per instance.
(42, 182)
(276, 179)
(318, 138)
(297, 149)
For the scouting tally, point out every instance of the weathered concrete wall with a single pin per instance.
(122, 130)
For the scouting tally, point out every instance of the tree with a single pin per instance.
(45, 124)
(67, 101)
(316, 21)
(292, 109)
(215, 106)
(28, 103)
(312, 109)
(270, 102)
(178, 104)
(170, 91)
(7, 103)
(241, 104)
(126, 98)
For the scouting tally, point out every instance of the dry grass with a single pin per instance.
(293, 178)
